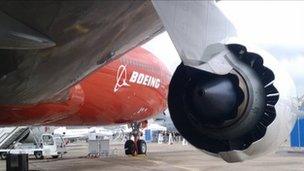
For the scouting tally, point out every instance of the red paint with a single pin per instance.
(97, 101)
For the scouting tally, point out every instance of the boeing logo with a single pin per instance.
(143, 79)
(121, 78)
(136, 77)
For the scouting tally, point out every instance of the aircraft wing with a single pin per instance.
(193, 26)
(46, 47)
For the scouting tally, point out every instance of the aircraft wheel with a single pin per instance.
(142, 147)
(3, 155)
(38, 154)
(130, 147)
(55, 156)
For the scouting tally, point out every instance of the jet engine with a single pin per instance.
(236, 106)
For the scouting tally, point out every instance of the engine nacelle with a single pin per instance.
(237, 106)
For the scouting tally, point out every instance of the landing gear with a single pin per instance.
(3, 155)
(130, 147)
(141, 147)
(38, 155)
(136, 146)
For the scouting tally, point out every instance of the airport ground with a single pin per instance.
(163, 157)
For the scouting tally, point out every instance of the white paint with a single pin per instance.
(286, 114)
(121, 78)
(144, 79)
(133, 77)
(136, 77)
(192, 26)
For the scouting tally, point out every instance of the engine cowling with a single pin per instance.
(238, 109)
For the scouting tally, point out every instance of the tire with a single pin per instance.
(130, 148)
(38, 155)
(142, 147)
(55, 156)
(3, 156)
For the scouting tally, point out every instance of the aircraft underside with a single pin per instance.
(46, 47)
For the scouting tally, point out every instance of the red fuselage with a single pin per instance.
(131, 88)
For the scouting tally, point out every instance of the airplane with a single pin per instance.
(227, 98)
(129, 89)
(72, 134)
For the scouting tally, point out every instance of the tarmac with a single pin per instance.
(163, 157)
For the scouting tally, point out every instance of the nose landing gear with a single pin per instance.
(136, 146)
